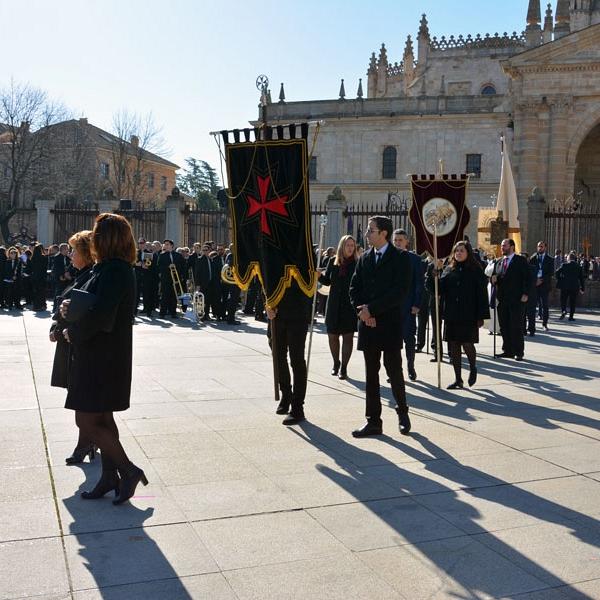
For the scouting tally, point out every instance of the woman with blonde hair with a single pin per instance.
(82, 260)
(101, 339)
(340, 317)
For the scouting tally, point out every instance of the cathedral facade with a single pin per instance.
(446, 104)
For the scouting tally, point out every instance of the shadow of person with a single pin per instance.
(426, 513)
(119, 557)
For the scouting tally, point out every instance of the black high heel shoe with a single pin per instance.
(130, 477)
(336, 367)
(455, 386)
(80, 453)
(343, 374)
(472, 376)
(109, 480)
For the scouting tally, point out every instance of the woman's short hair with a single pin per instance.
(81, 242)
(339, 255)
(112, 238)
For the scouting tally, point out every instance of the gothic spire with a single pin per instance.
(359, 93)
(342, 91)
(424, 29)
(562, 20)
(281, 94)
(534, 15)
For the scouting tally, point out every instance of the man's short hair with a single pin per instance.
(169, 242)
(401, 232)
(384, 224)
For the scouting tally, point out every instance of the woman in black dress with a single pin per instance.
(100, 370)
(340, 317)
(82, 261)
(463, 286)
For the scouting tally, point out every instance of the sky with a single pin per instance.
(193, 64)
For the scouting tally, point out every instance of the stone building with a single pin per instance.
(82, 163)
(450, 99)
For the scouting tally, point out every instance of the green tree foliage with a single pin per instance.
(200, 181)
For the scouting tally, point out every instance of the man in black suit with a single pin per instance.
(545, 269)
(168, 260)
(205, 276)
(513, 279)
(379, 285)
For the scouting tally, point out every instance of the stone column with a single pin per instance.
(174, 217)
(560, 183)
(336, 221)
(108, 203)
(45, 222)
(536, 225)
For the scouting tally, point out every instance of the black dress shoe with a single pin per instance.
(472, 377)
(519, 358)
(366, 430)
(412, 374)
(295, 416)
(343, 374)
(503, 355)
(455, 386)
(283, 407)
(336, 368)
(404, 424)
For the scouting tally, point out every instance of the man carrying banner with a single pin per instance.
(289, 320)
(379, 285)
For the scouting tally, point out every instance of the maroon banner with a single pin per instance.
(439, 205)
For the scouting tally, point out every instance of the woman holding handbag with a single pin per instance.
(82, 261)
(100, 371)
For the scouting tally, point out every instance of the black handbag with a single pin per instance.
(80, 303)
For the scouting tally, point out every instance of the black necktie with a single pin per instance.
(377, 256)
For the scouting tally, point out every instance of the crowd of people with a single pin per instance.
(387, 294)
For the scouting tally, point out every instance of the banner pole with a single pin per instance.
(438, 333)
(314, 304)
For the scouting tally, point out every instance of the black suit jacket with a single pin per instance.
(382, 287)
(547, 271)
(515, 283)
(203, 276)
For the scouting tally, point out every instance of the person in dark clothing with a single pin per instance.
(340, 316)
(463, 286)
(101, 367)
(82, 260)
(38, 277)
(13, 271)
(287, 329)
(168, 260)
(570, 280)
(513, 281)
(380, 283)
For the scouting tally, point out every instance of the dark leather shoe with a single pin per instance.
(503, 355)
(404, 424)
(343, 374)
(130, 477)
(472, 376)
(80, 453)
(109, 481)
(295, 416)
(283, 408)
(366, 430)
(455, 386)
(412, 374)
(519, 358)
(336, 368)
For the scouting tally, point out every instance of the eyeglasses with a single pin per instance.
(369, 230)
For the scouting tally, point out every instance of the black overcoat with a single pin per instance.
(570, 274)
(382, 287)
(101, 352)
(340, 316)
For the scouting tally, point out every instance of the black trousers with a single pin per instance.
(392, 361)
(510, 317)
(541, 300)
(290, 337)
(571, 296)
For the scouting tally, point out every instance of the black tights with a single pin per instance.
(455, 354)
(102, 429)
(347, 345)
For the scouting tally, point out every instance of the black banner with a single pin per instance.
(268, 189)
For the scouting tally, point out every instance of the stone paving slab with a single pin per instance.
(493, 495)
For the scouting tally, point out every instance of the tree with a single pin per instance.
(136, 139)
(200, 181)
(26, 113)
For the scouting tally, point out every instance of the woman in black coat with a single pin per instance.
(571, 282)
(463, 287)
(340, 316)
(37, 266)
(82, 260)
(100, 371)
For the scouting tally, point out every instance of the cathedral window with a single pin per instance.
(389, 163)
(104, 170)
(474, 165)
(312, 169)
(487, 90)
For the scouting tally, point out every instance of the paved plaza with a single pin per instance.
(494, 494)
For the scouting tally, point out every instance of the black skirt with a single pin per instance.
(461, 332)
